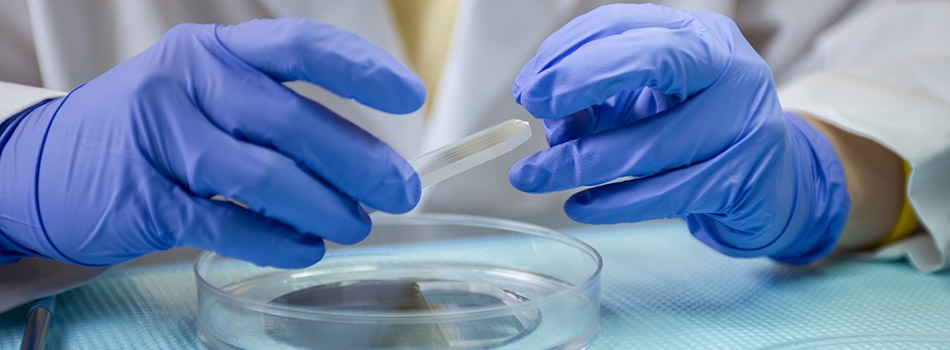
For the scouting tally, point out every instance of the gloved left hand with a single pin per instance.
(125, 164)
(684, 106)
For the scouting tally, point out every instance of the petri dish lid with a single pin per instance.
(470, 151)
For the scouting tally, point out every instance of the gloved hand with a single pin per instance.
(125, 164)
(681, 107)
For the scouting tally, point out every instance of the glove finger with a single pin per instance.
(271, 185)
(677, 62)
(604, 21)
(686, 134)
(235, 232)
(707, 194)
(620, 110)
(326, 144)
(673, 194)
(571, 127)
(340, 61)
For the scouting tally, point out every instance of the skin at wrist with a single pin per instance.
(876, 185)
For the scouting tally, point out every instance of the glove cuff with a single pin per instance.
(11, 251)
(21, 144)
(822, 208)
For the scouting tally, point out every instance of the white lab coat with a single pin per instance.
(60, 44)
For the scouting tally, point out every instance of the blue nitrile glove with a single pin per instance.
(125, 164)
(683, 104)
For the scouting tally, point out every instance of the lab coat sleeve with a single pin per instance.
(15, 98)
(33, 278)
(884, 73)
(904, 105)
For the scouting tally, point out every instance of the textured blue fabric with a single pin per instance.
(680, 108)
(127, 163)
(660, 289)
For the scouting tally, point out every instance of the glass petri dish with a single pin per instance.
(431, 281)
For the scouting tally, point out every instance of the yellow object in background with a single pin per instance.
(907, 221)
(426, 29)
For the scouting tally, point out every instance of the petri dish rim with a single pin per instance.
(408, 318)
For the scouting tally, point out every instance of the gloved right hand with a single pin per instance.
(126, 164)
(680, 107)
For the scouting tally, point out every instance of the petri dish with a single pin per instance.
(427, 281)
(470, 151)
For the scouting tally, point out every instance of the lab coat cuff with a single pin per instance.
(14, 98)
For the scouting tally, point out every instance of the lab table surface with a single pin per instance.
(661, 289)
